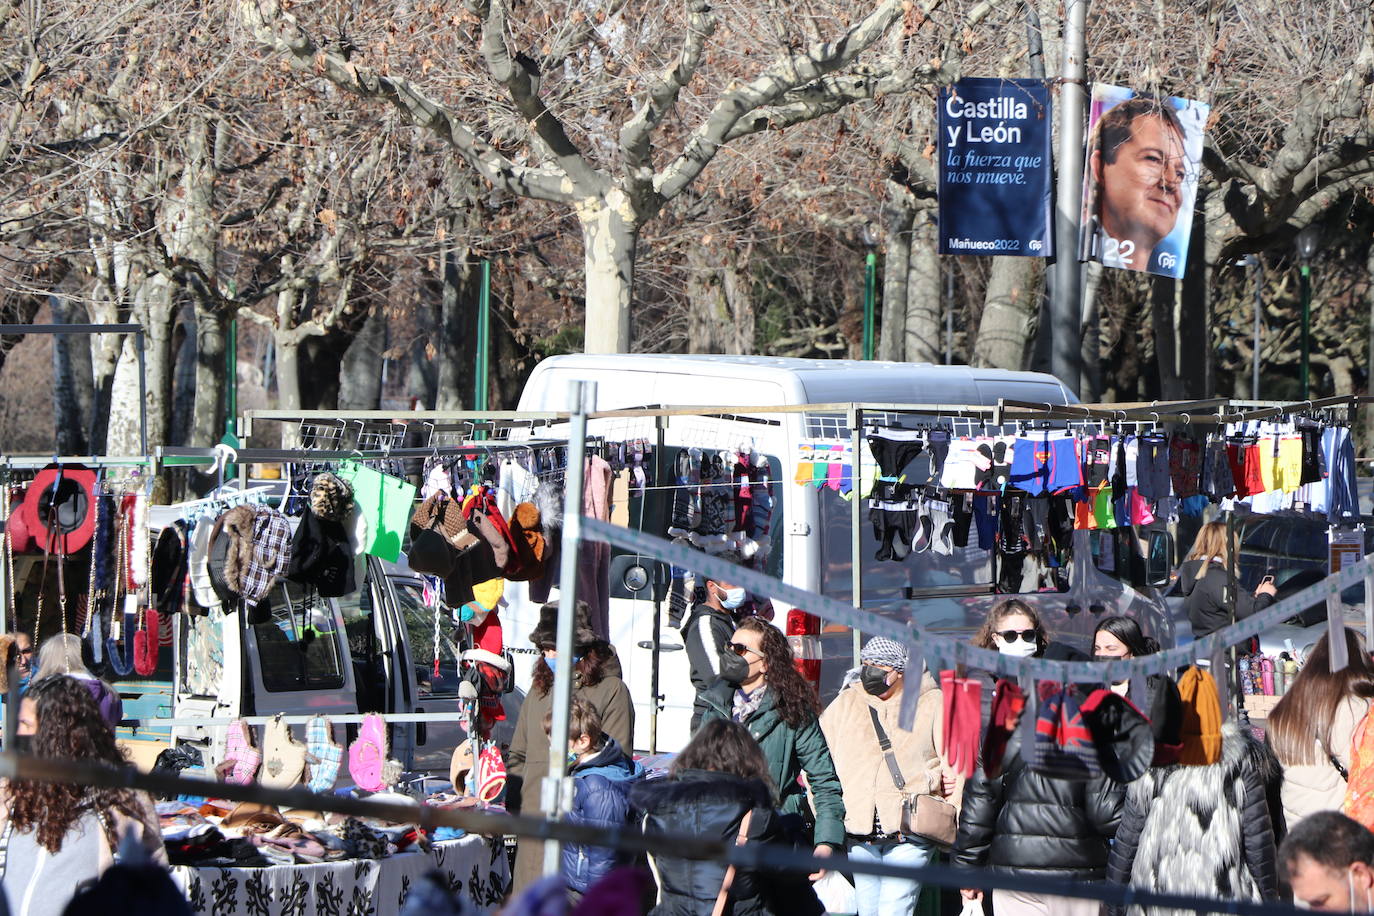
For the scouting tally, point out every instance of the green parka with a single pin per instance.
(790, 751)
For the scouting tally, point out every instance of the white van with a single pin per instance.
(810, 530)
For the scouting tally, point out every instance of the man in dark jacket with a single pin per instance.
(706, 631)
(1024, 823)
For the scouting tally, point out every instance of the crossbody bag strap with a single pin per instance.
(1345, 774)
(890, 757)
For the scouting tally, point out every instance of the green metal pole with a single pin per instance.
(231, 393)
(231, 378)
(1306, 273)
(483, 338)
(870, 284)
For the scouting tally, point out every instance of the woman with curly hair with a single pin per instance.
(761, 689)
(59, 837)
(596, 680)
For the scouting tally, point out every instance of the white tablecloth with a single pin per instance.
(475, 868)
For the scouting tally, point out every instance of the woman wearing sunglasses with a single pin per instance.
(761, 689)
(1022, 823)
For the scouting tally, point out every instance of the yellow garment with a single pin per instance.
(1201, 730)
(1289, 466)
(1267, 470)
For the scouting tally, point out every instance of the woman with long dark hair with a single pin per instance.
(761, 689)
(596, 680)
(719, 777)
(1118, 637)
(59, 836)
(1311, 727)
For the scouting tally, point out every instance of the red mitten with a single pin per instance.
(947, 720)
(968, 725)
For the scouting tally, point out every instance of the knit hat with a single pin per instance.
(527, 532)
(331, 497)
(1121, 733)
(883, 651)
(545, 635)
(1201, 731)
(1063, 744)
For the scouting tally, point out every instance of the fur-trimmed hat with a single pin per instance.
(331, 497)
(528, 534)
(545, 635)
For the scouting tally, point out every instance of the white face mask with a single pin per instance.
(1350, 883)
(732, 598)
(1019, 649)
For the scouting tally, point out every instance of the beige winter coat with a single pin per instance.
(1312, 787)
(859, 763)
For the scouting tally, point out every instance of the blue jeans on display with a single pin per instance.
(876, 896)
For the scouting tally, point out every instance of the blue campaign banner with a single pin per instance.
(996, 195)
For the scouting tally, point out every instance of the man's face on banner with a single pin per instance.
(1142, 189)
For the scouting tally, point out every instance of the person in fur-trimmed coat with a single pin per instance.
(1202, 830)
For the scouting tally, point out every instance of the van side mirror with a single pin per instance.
(1159, 559)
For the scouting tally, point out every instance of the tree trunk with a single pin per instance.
(212, 333)
(360, 376)
(153, 308)
(1003, 334)
(71, 357)
(720, 315)
(457, 335)
(924, 293)
(610, 232)
(184, 377)
(1369, 367)
(897, 216)
(1090, 382)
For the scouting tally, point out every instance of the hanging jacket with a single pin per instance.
(712, 805)
(704, 634)
(790, 752)
(601, 798)
(1204, 599)
(1202, 830)
(1023, 823)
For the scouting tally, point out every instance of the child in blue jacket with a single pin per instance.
(602, 775)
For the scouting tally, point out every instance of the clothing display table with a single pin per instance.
(474, 866)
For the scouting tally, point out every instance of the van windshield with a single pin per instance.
(298, 649)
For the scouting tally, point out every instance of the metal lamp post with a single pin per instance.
(1307, 243)
(1253, 260)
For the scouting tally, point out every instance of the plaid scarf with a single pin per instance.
(746, 704)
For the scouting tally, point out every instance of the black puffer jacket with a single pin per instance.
(1203, 830)
(1204, 599)
(712, 805)
(1027, 824)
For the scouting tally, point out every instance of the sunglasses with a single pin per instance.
(740, 648)
(1010, 635)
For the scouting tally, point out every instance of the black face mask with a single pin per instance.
(22, 744)
(1106, 658)
(733, 668)
(874, 680)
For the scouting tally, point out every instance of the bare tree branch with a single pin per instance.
(264, 17)
(520, 83)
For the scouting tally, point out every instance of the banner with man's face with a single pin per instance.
(1140, 180)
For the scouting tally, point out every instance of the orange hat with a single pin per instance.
(1201, 732)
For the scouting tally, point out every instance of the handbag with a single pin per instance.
(925, 817)
(725, 885)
